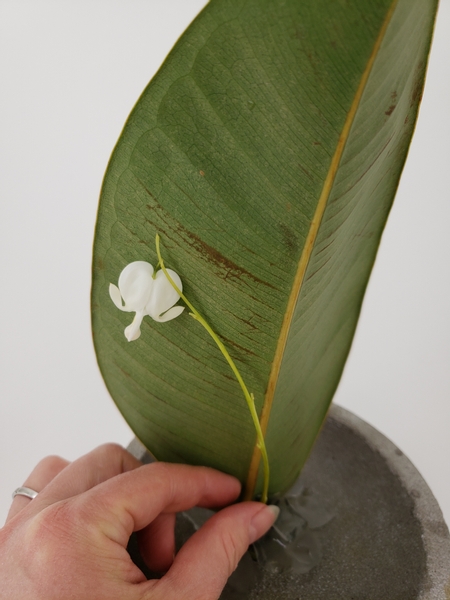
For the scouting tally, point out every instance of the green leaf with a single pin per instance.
(266, 153)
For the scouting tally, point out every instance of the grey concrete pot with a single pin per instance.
(385, 539)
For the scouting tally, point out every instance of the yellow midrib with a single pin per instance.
(306, 254)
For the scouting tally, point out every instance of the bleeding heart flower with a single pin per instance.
(146, 294)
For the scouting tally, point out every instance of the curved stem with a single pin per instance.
(248, 396)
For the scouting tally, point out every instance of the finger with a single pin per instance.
(204, 563)
(157, 543)
(44, 472)
(133, 500)
(90, 470)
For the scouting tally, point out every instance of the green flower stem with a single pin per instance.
(248, 397)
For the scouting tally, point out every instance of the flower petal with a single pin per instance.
(116, 297)
(133, 331)
(135, 285)
(172, 313)
(163, 296)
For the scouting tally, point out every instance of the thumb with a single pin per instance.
(204, 563)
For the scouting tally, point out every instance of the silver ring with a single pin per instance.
(25, 491)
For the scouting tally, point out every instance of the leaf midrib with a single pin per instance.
(307, 252)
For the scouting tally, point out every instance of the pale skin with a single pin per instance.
(69, 543)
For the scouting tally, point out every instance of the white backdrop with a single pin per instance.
(70, 72)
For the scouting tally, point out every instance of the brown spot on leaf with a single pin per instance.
(237, 346)
(289, 238)
(208, 252)
(416, 95)
(390, 110)
(307, 173)
(212, 255)
(417, 91)
(202, 173)
(393, 105)
(127, 375)
(248, 322)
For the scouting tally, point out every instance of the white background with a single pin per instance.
(70, 72)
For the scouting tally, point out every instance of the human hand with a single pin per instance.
(69, 543)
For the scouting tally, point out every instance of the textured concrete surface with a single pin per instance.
(387, 539)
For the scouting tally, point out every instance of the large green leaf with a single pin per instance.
(266, 153)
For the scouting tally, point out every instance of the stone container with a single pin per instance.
(384, 538)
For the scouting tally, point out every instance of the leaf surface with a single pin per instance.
(266, 153)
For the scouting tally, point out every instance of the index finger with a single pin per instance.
(131, 501)
(105, 462)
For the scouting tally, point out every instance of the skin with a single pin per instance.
(70, 541)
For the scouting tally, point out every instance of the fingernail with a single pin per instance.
(275, 510)
(263, 521)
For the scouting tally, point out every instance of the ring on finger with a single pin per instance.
(25, 491)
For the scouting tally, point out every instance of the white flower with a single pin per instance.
(146, 294)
